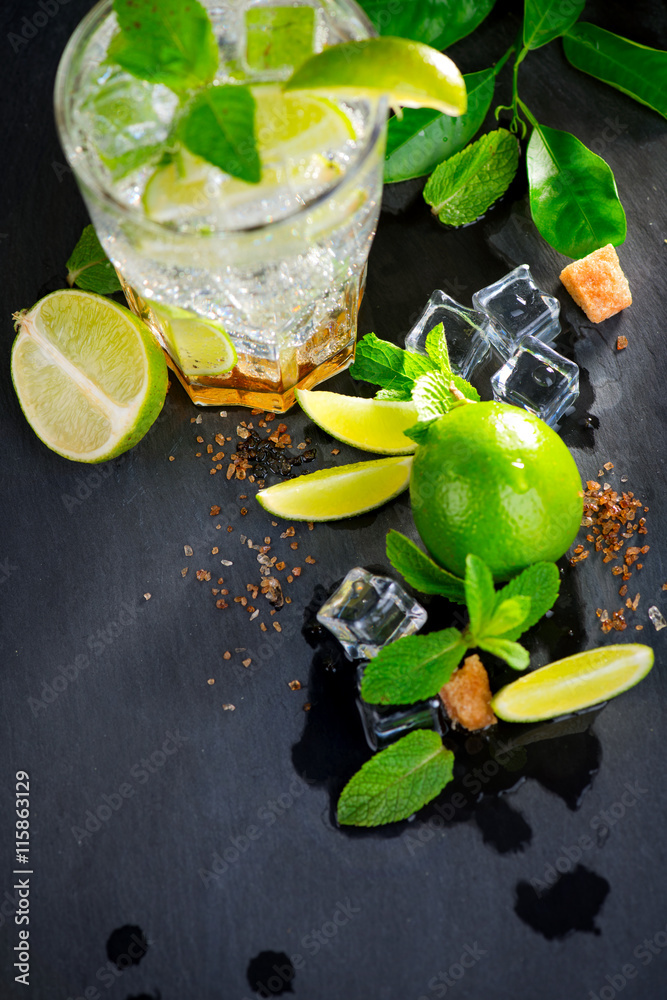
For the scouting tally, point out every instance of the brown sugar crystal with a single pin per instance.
(597, 284)
(467, 695)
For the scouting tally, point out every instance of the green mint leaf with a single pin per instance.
(386, 365)
(480, 594)
(412, 668)
(509, 614)
(511, 652)
(573, 196)
(437, 350)
(419, 432)
(439, 23)
(278, 37)
(463, 187)
(420, 571)
(433, 396)
(171, 43)
(397, 782)
(544, 20)
(540, 582)
(423, 138)
(89, 267)
(220, 127)
(637, 70)
(397, 395)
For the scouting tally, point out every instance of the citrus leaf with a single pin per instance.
(423, 138)
(412, 668)
(480, 594)
(89, 267)
(463, 187)
(220, 127)
(637, 70)
(386, 365)
(511, 652)
(436, 22)
(540, 582)
(509, 614)
(397, 782)
(420, 571)
(544, 20)
(573, 198)
(172, 43)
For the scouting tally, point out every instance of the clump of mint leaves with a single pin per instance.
(402, 778)
(573, 197)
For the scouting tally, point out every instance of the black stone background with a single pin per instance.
(394, 910)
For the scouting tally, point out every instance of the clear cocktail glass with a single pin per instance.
(279, 268)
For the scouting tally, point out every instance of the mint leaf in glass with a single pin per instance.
(463, 187)
(420, 571)
(412, 668)
(278, 37)
(219, 126)
(423, 138)
(89, 267)
(397, 782)
(573, 196)
(636, 70)
(171, 43)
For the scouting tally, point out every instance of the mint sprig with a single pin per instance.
(464, 186)
(413, 668)
(420, 571)
(220, 127)
(397, 782)
(89, 267)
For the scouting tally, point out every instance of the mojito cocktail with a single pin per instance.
(252, 289)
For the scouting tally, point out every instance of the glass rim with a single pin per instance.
(62, 98)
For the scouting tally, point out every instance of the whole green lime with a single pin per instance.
(496, 481)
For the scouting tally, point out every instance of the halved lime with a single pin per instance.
(409, 73)
(199, 346)
(89, 376)
(372, 424)
(331, 494)
(294, 134)
(574, 683)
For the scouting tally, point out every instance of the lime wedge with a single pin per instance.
(89, 376)
(372, 424)
(574, 683)
(200, 346)
(331, 494)
(409, 73)
(292, 133)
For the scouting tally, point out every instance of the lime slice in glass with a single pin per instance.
(89, 376)
(199, 346)
(372, 424)
(292, 132)
(331, 494)
(574, 683)
(408, 73)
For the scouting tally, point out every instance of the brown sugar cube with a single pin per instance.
(597, 284)
(467, 695)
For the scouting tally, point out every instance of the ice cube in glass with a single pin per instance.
(466, 330)
(518, 308)
(537, 379)
(367, 612)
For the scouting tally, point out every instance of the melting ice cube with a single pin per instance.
(518, 308)
(537, 379)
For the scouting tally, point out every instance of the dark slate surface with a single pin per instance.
(96, 680)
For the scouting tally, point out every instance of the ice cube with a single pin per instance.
(518, 307)
(367, 612)
(384, 724)
(468, 332)
(537, 379)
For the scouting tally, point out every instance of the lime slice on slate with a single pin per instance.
(372, 424)
(409, 73)
(574, 683)
(332, 494)
(89, 376)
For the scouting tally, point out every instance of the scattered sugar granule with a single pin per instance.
(657, 618)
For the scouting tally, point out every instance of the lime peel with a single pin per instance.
(372, 424)
(344, 491)
(574, 683)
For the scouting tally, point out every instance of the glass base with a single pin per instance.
(269, 383)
